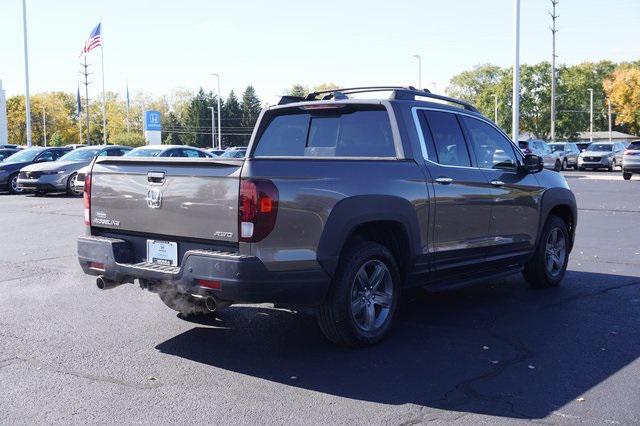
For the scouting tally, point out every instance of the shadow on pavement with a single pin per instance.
(502, 349)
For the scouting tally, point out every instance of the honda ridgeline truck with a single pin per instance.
(340, 204)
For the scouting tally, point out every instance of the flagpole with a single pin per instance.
(104, 99)
(128, 122)
(26, 74)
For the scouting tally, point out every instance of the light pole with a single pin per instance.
(554, 30)
(609, 111)
(26, 72)
(419, 58)
(219, 117)
(44, 125)
(213, 129)
(495, 108)
(515, 118)
(590, 115)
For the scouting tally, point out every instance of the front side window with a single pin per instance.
(450, 146)
(492, 149)
(47, 156)
(343, 132)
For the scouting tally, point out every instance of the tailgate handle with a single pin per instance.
(155, 177)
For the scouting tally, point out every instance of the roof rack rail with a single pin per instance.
(399, 92)
(288, 99)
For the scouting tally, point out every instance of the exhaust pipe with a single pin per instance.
(211, 304)
(105, 284)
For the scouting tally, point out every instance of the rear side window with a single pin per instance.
(448, 139)
(339, 133)
(634, 145)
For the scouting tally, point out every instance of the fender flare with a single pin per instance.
(352, 212)
(554, 197)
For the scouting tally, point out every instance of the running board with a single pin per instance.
(454, 284)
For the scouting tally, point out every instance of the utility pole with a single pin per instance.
(495, 108)
(44, 125)
(85, 73)
(26, 72)
(609, 110)
(591, 115)
(213, 128)
(515, 116)
(554, 30)
(419, 58)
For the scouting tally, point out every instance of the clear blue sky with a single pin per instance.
(161, 45)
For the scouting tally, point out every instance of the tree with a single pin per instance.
(623, 90)
(535, 101)
(471, 85)
(56, 139)
(250, 111)
(128, 139)
(233, 134)
(297, 90)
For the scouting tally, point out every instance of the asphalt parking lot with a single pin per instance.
(494, 353)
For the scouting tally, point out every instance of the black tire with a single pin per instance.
(581, 169)
(335, 316)
(558, 166)
(626, 175)
(71, 189)
(184, 303)
(612, 166)
(13, 184)
(537, 271)
(564, 164)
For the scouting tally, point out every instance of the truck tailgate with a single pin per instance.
(188, 198)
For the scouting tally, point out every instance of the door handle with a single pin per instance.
(444, 180)
(155, 177)
(497, 183)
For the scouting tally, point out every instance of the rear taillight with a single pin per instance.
(257, 209)
(86, 199)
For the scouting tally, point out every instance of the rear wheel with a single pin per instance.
(72, 189)
(612, 165)
(558, 166)
(184, 303)
(564, 164)
(549, 263)
(13, 184)
(626, 175)
(362, 302)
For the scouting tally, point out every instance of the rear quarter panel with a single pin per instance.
(310, 189)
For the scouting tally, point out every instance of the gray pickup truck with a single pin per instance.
(340, 204)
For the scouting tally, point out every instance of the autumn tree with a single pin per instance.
(623, 90)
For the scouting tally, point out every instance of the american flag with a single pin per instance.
(95, 40)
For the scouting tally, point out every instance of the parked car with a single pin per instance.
(568, 153)
(171, 151)
(540, 148)
(601, 155)
(235, 152)
(11, 166)
(62, 175)
(11, 146)
(631, 160)
(216, 152)
(411, 196)
(75, 145)
(7, 152)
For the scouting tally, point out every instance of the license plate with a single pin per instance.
(162, 252)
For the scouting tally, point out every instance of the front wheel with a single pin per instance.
(549, 263)
(558, 166)
(72, 188)
(361, 305)
(13, 184)
(626, 175)
(564, 164)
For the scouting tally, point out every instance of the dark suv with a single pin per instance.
(340, 204)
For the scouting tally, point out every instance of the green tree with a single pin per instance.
(250, 110)
(132, 139)
(232, 134)
(297, 90)
(56, 139)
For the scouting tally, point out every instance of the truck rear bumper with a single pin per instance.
(241, 279)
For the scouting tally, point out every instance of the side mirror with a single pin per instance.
(532, 163)
(40, 160)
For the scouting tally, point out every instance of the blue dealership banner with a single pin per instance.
(152, 120)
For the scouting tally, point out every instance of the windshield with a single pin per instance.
(23, 156)
(143, 152)
(235, 153)
(600, 147)
(80, 155)
(635, 145)
(556, 147)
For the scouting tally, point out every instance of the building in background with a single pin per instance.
(604, 137)
(3, 117)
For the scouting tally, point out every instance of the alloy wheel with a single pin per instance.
(14, 185)
(555, 252)
(371, 295)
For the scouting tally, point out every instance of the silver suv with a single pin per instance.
(601, 155)
(631, 160)
(340, 205)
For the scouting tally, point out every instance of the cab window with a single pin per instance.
(492, 149)
(450, 146)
